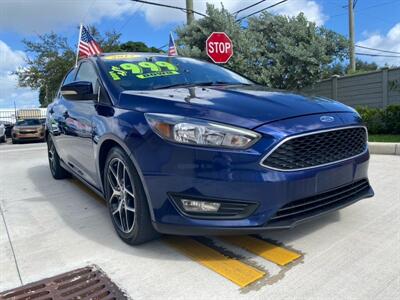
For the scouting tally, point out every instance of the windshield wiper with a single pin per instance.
(177, 85)
(206, 83)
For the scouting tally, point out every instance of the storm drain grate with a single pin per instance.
(85, 283)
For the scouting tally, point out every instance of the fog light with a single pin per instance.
(199, 206)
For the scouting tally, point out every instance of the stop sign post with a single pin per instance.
(219, 47)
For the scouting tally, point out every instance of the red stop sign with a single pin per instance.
(219, 47)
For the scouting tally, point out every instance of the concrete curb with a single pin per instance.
(384, 148)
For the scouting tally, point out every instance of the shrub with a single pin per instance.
(381, 121)
(392, 119)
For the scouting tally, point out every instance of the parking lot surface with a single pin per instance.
(49, 227)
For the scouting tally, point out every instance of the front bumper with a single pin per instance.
(202, 230)
(35, 136)
(237, 176)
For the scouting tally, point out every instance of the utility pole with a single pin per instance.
(351, 36)
(189, 12)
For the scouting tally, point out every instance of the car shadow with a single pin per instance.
(100, 229)
(86, 213)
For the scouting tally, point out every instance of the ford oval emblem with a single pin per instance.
(327, 119)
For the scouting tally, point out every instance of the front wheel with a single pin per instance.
(56, 169)
(126, 200)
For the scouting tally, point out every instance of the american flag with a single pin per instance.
(87, 45)
(171, 47)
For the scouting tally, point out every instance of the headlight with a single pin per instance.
(200, 132)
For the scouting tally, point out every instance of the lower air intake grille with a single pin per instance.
(317, 149)
(329, 200)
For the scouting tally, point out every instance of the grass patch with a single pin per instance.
(384, 138)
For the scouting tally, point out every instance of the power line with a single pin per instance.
(170, 6)
(129, 18)
(354, 4)
(377, 55)
(366, 8)
(268, 7)
(247, 7)
(375, 49)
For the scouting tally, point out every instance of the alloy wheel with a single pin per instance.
(122, 198)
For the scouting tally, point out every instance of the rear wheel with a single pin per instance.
(126, 199)
(3, 139)
(56, 169)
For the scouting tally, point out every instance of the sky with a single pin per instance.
(377, 25)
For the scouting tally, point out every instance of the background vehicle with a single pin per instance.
(28, 130)
(180, 146)
(8, 127)
(2, 133)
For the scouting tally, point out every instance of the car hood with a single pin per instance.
(245, 106)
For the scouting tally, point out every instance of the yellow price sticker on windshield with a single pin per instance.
(143, 70)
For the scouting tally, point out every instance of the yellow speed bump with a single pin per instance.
(232, 269)
(271, 252)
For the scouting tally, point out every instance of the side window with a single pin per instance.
(87, 73)
(70, 77)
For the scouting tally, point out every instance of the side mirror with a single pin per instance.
(79, 90)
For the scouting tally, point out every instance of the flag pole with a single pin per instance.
(173, 41)
(77, 46)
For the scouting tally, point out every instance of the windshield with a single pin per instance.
(28, 122)
(137, 72)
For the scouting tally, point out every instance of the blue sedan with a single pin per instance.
(181, 146)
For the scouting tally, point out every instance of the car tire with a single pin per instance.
(126, 199)
(14, 141)
(3, 139)
(56, 169)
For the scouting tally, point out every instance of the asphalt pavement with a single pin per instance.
(48, 227)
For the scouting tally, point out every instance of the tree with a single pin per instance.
(278, 51)
(363, 66)
(137, 47)
(336, 68)
(48, 60)
(343, 69)
(293, 51)
(50, 57)
(192, 39)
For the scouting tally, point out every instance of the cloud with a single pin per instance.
(158, 16)
(10, 60)
(311, 9)
(29, 17)
(390, 42)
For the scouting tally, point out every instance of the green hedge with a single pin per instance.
(380, 120)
